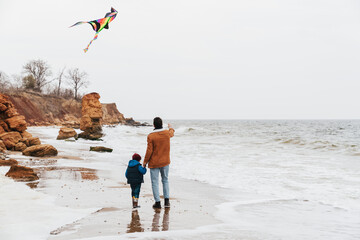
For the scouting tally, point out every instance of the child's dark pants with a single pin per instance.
(135, 190)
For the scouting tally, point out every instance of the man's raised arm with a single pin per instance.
(171, 130)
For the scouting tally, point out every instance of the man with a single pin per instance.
(158, 157)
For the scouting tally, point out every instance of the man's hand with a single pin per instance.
(144, 165)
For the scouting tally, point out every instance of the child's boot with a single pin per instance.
(135, 203)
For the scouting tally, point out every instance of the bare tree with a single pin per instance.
(59, 78)
(17, 82)
(40, 70)
(4, 81)
(77, 80)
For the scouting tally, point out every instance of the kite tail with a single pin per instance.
(87, 48)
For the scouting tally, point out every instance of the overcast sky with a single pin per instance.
(199, 59)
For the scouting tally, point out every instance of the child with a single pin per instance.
(135, 176)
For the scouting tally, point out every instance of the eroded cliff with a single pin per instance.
(41, 110)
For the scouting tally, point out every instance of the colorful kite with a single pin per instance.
(99, 24)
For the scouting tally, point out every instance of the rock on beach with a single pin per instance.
(21, 173)
(101, 149)
(65, 133)
(40, 150)
(10, 139)
(91, 117)
(9, 162)
(2, 146)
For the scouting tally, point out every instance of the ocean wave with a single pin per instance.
(333, 206)
(294, 141)
(233, 205)
(182, 130)
(265, 201)
(320, 145)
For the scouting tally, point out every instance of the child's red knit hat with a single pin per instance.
(136, 157)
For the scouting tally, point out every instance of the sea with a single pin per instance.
(285, 179)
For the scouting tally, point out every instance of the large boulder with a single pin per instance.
(26, 134)
(91, 115)
(91, 106)
(65, 133)
(17, 123)
(3, 108)
(1, 129)
(10, 139)
(86, 123)
(20, 146)
(5, 102)
(13, 126)
(10, 120)
(40, 150)
(21, 173)
(91, 136)
(11, 112)
(4, 126)
(33, 141)
(2, 146)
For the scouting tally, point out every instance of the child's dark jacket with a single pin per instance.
(135, 172)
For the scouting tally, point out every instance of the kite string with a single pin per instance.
(95, 37)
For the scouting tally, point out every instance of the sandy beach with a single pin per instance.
(76, 180)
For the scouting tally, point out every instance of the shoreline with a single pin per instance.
(79, 182)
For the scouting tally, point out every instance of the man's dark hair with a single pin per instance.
(157, 123)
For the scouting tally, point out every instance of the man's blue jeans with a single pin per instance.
(154, 174)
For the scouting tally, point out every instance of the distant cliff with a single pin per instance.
(41, 110)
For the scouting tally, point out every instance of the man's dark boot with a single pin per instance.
(157, 205)
(167, 203)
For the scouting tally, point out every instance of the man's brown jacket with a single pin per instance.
(158, 148)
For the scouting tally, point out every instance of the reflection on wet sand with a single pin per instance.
(166, 218)
(66, 173)
(156, 220)
(135, 224)
(47, 168)
(32, 184)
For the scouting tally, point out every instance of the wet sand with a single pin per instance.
(192, 203)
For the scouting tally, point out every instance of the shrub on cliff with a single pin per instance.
(29, 82)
